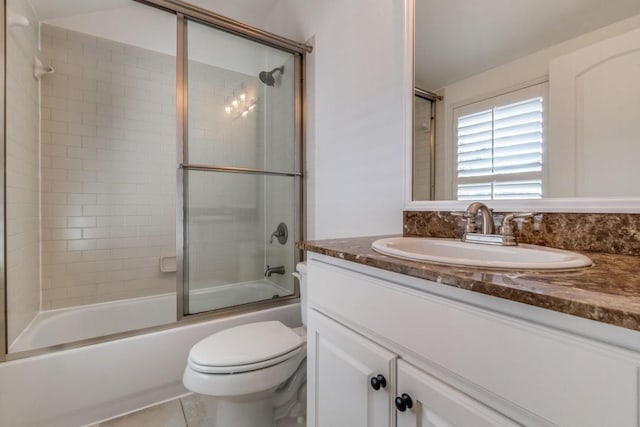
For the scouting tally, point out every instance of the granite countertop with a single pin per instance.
(608, 292)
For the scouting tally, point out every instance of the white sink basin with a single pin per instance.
(456, 252)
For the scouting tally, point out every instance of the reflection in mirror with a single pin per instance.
(423, 144)
(539, 99)
(90, 170)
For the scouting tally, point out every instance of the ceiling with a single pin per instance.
(251, 12)
(456, 39)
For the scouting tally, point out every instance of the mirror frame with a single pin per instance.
(572, 204)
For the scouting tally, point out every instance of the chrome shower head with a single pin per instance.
(267, 78)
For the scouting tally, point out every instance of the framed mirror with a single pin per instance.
(530, 103)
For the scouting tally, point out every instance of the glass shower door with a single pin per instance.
(241, 171)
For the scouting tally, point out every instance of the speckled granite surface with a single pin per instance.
(608, 292)
(610, 233)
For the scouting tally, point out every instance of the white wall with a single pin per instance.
(355, 121)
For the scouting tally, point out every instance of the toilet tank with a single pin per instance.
(301, 274)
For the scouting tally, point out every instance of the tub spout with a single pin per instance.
(274, 270)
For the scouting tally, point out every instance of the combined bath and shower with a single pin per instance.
(267, 76)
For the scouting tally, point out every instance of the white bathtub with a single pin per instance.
(88, 321)
(221, 296)
(85, 385)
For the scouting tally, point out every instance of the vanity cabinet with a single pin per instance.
(460, 364)
(354, 385)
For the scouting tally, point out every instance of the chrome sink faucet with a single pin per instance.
(486, 233)
(488, 226)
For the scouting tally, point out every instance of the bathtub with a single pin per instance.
(88, 384)
(67, 325)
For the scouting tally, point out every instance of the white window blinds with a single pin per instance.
(500, 150)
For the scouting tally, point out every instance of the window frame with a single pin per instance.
(489, 102)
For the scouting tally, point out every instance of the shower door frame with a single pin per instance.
(3, 179)
(184, 166)
(183, 12)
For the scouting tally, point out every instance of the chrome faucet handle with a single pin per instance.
(507, 229)
(281, 233)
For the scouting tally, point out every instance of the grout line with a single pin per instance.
(184, 415)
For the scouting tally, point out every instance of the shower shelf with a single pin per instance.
(168, 264)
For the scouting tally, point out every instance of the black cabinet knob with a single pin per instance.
(403, 402)
(378, 381)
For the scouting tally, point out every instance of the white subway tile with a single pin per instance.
(84, 177)
(66, 116)
(110, 243)
(82, 130)
(63, 186)
(96, 210)
(66, 257)
(82, 153)
(54, 127)
(96, 233)
(65, 139)
(82, 199)
(82, 221)
(81, 245)
(65, 233)
(77, 104)
(96, 255)
(58, 211)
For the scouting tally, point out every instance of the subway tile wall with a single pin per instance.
(108, 169)
(22, 175)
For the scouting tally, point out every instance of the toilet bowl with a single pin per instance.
(257, 371)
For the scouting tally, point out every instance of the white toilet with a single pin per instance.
(257, 370)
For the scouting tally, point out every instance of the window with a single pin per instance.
(499, 149)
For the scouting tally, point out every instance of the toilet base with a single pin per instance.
(239, 413)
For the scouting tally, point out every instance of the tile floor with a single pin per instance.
(190, 411)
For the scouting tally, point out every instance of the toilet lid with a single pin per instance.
(245, 344)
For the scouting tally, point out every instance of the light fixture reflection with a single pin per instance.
(239, 104)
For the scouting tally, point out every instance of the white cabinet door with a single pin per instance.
(340, 366)
(436, 404)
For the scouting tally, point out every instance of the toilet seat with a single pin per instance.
(207, 369)
(245, 348)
